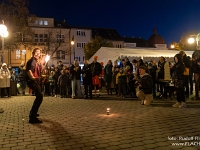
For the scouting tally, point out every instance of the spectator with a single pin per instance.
(161, 74)
(87, 79)
(51, 83)
(5, 80)
(152, 69)
(96, 69)
(108, 76)
(75, 72)
(63, 81)
(121, 81)
(187, 64)
(196, 70)
(178, 70)
(22, 77)
(55, 77)
(145, 86)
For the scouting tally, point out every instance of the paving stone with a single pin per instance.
(79, 124)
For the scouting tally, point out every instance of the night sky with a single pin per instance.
(172, 18)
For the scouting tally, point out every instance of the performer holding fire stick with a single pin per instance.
(33, 69)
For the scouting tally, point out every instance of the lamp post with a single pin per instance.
(192, 40)
(72, 43)
(3, 33)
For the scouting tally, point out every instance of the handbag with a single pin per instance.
(186, 71)
(178, 83)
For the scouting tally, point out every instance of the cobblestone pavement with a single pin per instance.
(79, 124)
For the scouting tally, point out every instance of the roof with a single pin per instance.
(156, 38)
(140, 42)
(106, 53)
(106, 33)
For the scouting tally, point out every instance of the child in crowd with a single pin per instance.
(121, 80)
(51, 83)
(63, 82)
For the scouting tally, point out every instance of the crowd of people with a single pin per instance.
(121, 78)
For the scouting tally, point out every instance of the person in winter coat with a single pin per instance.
(5, 80)
(145, 86)
(121, 81)
(187, 64)
(63, 81)
(96, 70)
(22, 77)
(108, 76)
(75, 71)
(196, 71)
(178, 70)
(87, 79)
(51, 83)
(55, 77)
(152, 70)
(161, 74)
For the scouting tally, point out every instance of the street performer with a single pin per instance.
(33, 69)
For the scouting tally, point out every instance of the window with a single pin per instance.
(81, 45)
(60, 38)
(60, 54)
(36, 22)
(80, 33)
(40, 22)
(18, 54)
(41, 37)
(23, 54)
(21, 37)
(45, 37)
(46, 23)
(36, 38)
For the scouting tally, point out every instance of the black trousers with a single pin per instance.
(186, 85)
(3, 91)
(38, 100)
(86, 87)
(180, 94)
(122, 88)
(63, 91)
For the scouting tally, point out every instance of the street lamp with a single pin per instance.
(192, 39)
(72, 43)
(3, 33)
(172, 46)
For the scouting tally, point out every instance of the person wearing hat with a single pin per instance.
(96, 71)
(145, 86)
(5, 80)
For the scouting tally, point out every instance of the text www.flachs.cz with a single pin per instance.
(186, 144)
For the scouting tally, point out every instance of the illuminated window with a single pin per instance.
(18, 54)
(40, 22)
(46, 23)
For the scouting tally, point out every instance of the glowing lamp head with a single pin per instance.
(191, 40)
(72, 42)
(108, 111)
(47, 58)
(172, 46)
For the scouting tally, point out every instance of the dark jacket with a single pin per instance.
(152, 71)
(76, 74)
(147, 83)
(22, 73)
(178, 68)
(161, 73)
(56, 76)
(87, 75)
(186, 61)
(108, 73)
(63, 80)
(96, 69)
(195, 67)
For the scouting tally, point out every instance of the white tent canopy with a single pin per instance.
(106, 53)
